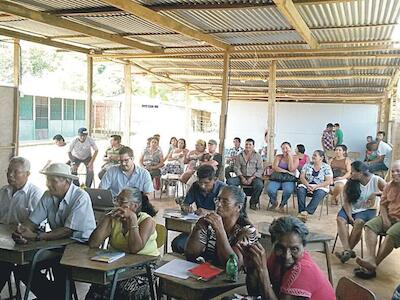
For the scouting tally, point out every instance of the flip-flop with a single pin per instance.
(344, 255)
(364, 273)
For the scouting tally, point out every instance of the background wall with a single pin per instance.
(302, 122)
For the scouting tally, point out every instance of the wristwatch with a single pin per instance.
(38, 238)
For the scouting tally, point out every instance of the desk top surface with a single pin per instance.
(174, 212)
(7, 243)
(217, 282)
(263, 229)
(79, 256)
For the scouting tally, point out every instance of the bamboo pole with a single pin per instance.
(17, 82)
(188, 111)
(89, 99)
(224, 107)
(128, 103)
(271, 111)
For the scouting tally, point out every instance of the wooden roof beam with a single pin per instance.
(42, 40)
(166, 22)
(22, 11)
(289, 11)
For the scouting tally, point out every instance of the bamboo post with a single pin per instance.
(224, 105)
(395, 138)
(16, 81)
(89, 101)
(271, 111)
(128, 103)
(188, 111)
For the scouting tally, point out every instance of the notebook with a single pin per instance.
(205, 271)
(108, 257)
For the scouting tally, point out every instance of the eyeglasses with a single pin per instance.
(125, 161)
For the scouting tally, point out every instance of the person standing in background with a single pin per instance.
(338, 135)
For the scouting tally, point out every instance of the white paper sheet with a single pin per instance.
(179, 215)
(176, 268)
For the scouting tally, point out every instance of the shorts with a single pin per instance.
(376, 225)
(365, 215)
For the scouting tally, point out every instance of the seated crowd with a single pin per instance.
(223, 229)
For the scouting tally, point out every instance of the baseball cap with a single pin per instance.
(213, 142)
(82, 130)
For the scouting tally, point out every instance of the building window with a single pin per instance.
(201, 120)
(80, 110)
(68, 109)
(42, 112)
(55, 109)
(26, 108)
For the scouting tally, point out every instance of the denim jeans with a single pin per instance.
(257, 185)
(316, 197)
(286, 187)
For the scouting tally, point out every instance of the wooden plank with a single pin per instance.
(41, 40)
(166, 22)
(89, 97)
(17, 80)
(271, 111)
(224, 107)
(22, 11)
(188, 111)
(287, 9)
(128, 103)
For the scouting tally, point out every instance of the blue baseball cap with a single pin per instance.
(82, 130)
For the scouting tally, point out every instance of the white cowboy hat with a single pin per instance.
(59, 169)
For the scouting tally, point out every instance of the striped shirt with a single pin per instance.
(209, 239)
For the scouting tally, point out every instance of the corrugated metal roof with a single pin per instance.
(60, 4)
(166, 2)
(353, 34)
(258, 18)
(38, 28)
(361, 12)
(240, 38)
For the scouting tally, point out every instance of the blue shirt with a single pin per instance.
(203, 200)
(74, 211)
(116, 180)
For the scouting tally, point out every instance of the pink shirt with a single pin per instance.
(303, 279)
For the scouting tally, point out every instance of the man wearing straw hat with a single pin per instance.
(69, 212)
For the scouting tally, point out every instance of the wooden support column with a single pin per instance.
(17, 82)
(271, 111)
(224, 106)
(395, 137)
(128, 103)
(89, 100)
(188, 112)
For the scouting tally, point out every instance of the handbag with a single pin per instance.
(283, 177)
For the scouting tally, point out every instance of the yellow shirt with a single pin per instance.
(119, 241)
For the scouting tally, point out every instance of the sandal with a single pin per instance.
(364, 273)
(345, 255)
(273, 205)
(302, 217)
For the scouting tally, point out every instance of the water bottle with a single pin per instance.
(232, 268)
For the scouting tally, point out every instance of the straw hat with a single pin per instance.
(59, 169)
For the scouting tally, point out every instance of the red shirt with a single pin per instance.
(303, 279)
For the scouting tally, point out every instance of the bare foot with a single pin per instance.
(370, 266)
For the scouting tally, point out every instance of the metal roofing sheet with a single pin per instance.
(123, 23)
(166, 2)
(257, 18)
(38, 28)
(353, 34)
(361, 12)
(60, 4)
(238, 38)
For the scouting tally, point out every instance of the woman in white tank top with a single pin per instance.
(361, 200)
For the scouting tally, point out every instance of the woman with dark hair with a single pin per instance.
(192, 160)
(341, 168)
(360, 203)
(303, 158)
(175, 160)
(315, 178)
(131, 229)
(283, 177)
(152, 160)
(289, 273)
(173, 144)
(216, 235)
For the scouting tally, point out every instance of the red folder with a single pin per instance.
(205, 271)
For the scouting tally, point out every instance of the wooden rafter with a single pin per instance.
(166, 22)
(42, 40)
(22, 11)
(287, 9)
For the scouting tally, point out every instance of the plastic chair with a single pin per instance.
(348, 289)
(161, 235)
(326, 201)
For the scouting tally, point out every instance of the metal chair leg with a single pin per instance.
(334, 243)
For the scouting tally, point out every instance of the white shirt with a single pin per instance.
(366, 191)
(386, 150)
(83, 150)
(16, 208)
(74, 211)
